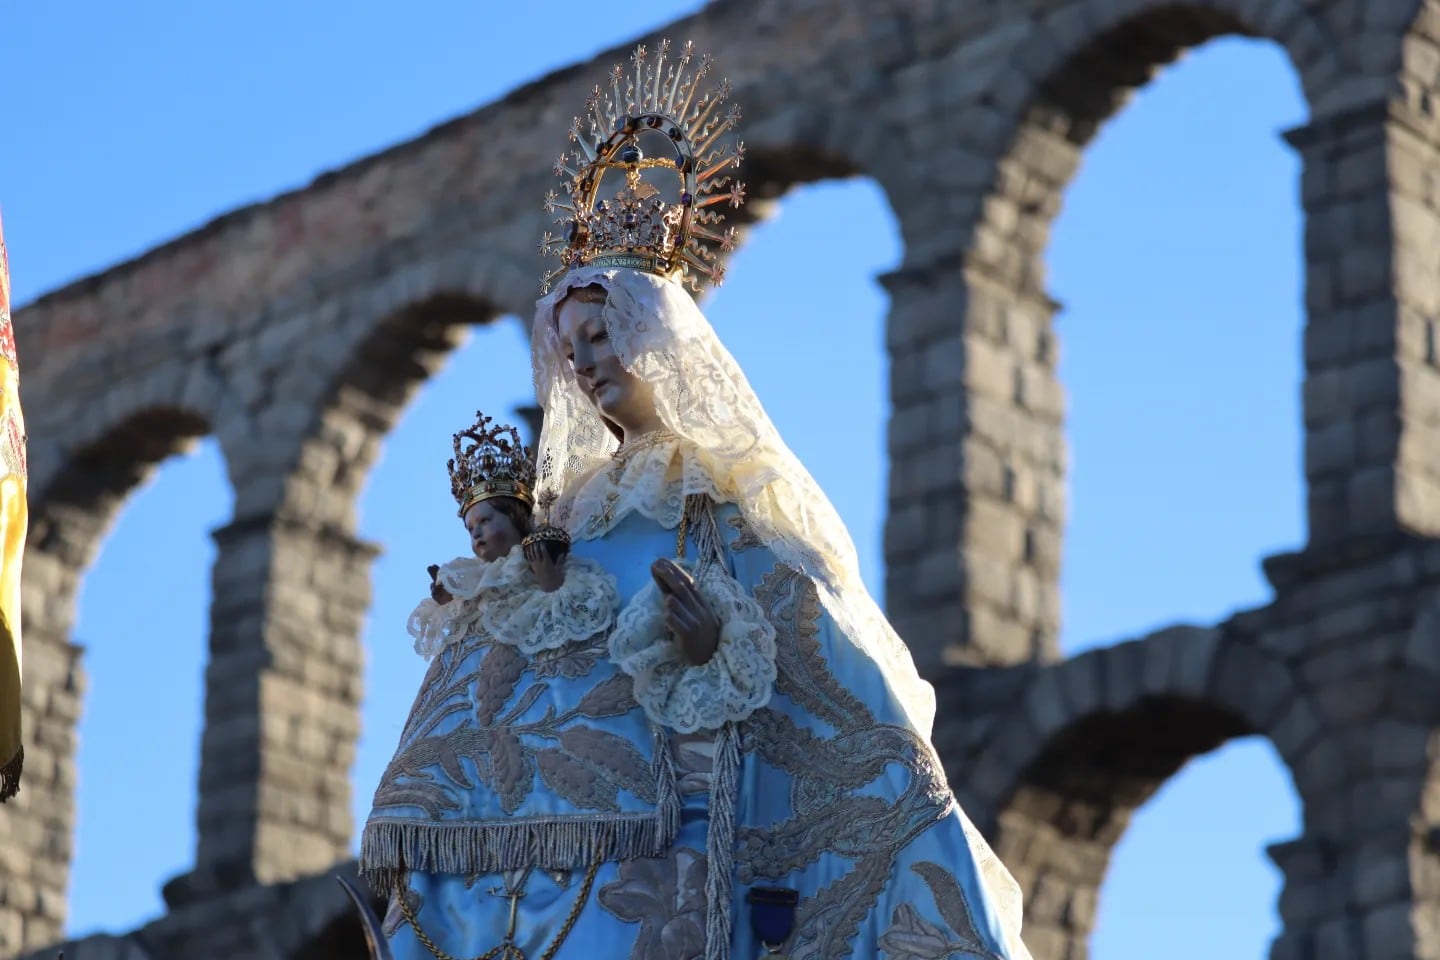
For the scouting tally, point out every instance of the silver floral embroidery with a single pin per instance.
(912, 937)
(569, 662)
(745, 538)
(666, 896)
(793, 606)
(586, 765)
(830, 813)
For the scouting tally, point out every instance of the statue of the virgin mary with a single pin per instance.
(739, 766)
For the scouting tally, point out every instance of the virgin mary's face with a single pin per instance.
(620, 395)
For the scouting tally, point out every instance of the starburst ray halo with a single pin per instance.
(660, 103)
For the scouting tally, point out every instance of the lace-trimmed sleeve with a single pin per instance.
(520, 614)
(734, 683)
(434, 625)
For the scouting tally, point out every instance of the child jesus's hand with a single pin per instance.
(549, 571)
(437, 593)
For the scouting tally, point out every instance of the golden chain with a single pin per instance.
(505, 951)
(643, 442)
(574, 916)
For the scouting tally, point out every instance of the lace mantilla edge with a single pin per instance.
(738, 680)
(502, 600)
(652, 478)
(1009, 899)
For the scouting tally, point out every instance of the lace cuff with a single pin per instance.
(734, 683)
(527, 618)
(435, 625)
(463, 577)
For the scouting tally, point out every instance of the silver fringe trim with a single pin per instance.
(725, 773)
(720, 843)
(389, 848)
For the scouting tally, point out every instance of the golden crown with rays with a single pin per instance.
(657, 105)
(490, 462)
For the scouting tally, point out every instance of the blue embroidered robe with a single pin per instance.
(562, 789)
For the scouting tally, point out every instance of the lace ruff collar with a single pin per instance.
(649, 476)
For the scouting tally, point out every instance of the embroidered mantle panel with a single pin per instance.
(508, 761)
(843, 801)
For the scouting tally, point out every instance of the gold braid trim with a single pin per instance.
(10, 775)
(506, 950)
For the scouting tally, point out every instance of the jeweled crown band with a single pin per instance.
(631, 260)
(490, 462)
(495, 488)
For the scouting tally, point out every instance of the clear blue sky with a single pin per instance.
(1177, 256)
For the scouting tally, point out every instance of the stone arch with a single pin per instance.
(1402, 41)
(1088, 741)
(1079, 68)
(73, 502)
(77, 499)
(86, 464)
(976, 391)
(367, 396)
(1025, 107)
(349, 369)
(292, 578)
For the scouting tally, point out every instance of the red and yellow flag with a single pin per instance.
(14, 515)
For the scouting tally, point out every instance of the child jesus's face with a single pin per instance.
(492, 533)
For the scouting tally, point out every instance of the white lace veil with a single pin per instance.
(734, 452)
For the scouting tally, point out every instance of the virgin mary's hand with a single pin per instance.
(687, 615)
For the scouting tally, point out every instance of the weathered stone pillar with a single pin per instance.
(1372, 377)
(1356, 897)
(37, 825)
(976, 505)
(283, 690)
